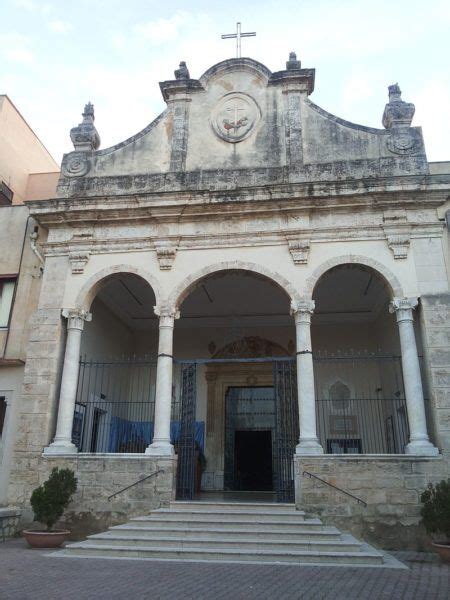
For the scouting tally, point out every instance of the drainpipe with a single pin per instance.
(33, 238)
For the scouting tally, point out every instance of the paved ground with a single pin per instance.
(32, 574)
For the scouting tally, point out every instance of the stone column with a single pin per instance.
(62, 444)
(309, 442)
(418, 436)
(163, 403)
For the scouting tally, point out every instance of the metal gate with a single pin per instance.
(186, 441)
(287, 427)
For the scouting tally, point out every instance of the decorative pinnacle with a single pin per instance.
(395, 93)
(88, 111)
(85, 136)
(397, 112)
(293, 63)
(182, 72)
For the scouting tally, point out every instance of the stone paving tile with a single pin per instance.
(32, 574)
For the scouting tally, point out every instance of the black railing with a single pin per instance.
(114, 411)
(362, 426)
(135, 483)
(335, 487)
(101, 426)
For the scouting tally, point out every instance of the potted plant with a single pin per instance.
(436, 516)
(48, 502)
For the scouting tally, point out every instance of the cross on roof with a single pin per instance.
(238, 35)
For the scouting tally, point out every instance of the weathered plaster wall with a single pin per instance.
(390, 485)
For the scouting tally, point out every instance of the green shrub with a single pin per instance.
(436, 509)
(50, 499)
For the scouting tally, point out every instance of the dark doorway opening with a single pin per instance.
(253, 460)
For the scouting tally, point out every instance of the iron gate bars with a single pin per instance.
(185, 446)
(286, 427)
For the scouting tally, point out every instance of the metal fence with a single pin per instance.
(115, 405)
(360, 403)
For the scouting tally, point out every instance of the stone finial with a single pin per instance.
(182, 72)
(397, 113)
(85, 135)
(293, 63)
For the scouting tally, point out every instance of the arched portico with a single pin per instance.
(185, 287)
(94, 284)
(119, 301)
(354, 298)
(392, 282)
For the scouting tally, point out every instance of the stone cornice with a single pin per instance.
(408, 191)
(266, 237)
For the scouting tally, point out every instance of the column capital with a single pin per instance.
(403, 308)
(167, 315)
(302, 310)
(76, 317)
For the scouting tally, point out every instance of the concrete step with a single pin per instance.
(228, 532)
(206, 521)
(306, 533)
(85, 549)
(206, 542)
(219, 514)
(233, 506)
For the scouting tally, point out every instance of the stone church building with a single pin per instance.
(247, 293)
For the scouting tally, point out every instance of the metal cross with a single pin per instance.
(238, 35)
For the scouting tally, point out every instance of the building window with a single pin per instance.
(6, 194)
(2, 413)
(6, 299)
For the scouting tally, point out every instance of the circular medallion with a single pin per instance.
(402, 143)
(235, 117)
(76, 165)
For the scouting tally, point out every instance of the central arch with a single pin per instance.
(185, 287)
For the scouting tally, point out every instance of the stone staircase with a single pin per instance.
(229, 532)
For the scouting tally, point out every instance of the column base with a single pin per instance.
(309, 447)
(160, 449)
(60, 448)
(421, 448)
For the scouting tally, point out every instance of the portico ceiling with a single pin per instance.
(227, 299)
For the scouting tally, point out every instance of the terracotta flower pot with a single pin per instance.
(45, 539)
(443, 550)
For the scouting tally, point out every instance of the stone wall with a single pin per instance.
(9, 523)
(390, 485)
(435, 321)
(99, 476)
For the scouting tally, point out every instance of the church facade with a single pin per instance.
(249, 295)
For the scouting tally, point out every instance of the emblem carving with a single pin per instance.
(235, 117)
(76, 165)
(402, 143)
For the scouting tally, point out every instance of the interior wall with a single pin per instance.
(105, 336)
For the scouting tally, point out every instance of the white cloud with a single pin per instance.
(59, 26)
(15, 47)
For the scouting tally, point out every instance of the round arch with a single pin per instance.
(185, 287)
(93, 285)
(394, 286)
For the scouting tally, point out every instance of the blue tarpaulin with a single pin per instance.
(123, 432)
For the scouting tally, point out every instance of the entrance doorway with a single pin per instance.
(253, 461)
(249, 434)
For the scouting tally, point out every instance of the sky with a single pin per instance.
(57, 55)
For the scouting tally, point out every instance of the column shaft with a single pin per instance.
(418, 442)
(309, 442)
(62, 443)
(163, 402)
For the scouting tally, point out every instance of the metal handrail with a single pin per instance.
(310, 475)
(135, 483)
